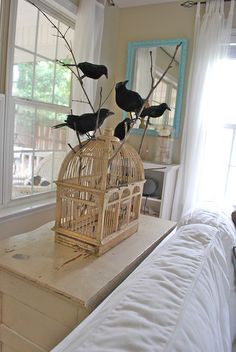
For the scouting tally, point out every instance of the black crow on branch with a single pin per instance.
(91, 70)
(128, 100)
(122, 128)
(87, 122)
(155, 110)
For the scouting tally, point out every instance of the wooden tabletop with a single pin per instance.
(76, 274)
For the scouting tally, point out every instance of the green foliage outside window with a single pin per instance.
(45, 73)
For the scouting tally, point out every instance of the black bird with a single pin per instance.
(128, 100)
(91, 70)
(87, 122)
(155, 110)
(122, 128)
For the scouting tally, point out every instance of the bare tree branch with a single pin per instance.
(99, 109)
(80, 101)
(143, 135)
(108, 95)
(151, 70)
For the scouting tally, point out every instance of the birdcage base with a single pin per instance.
(68, 238)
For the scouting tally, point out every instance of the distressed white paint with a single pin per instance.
(47, 288)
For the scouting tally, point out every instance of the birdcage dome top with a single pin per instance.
(94, 166)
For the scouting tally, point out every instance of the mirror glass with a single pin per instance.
(169, 90)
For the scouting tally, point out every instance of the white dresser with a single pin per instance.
(47, 289)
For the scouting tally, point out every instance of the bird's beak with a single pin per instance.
(168, 108)
(125, 82)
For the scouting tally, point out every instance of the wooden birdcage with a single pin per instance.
(99, 200)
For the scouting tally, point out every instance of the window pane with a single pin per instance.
(47, 138)
(47, 168)
(60, 135)
(159, 94)
(44, 74)
(58, 159)
(43, 172)
(63, 53)
(26, 25)
(39, 149)
(62, 86)
(173, 98)
(231, 186)
(43, 130)
(32, 173)
(47, 37)
(22, 173)
(24, 127)
(172, 106)
(35, 173)
(22, 74)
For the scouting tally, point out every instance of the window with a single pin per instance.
(39, 96)
(229, 133)
(220, 149)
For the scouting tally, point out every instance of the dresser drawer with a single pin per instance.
(51, 304)
(13, 342)
(32, 324)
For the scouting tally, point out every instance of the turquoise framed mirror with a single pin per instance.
(170, 90)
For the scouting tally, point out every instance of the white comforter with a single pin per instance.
(181, 298)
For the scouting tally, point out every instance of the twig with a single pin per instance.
(71, 148)
(122, 143)
(80, 101)
(151, 70)
(143, 135)
(165, 72)
(99, 109)
(63, 64)
(108, 95)
(77, 134)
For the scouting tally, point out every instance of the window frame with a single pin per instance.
(7, 122)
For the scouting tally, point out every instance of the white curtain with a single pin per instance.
(87, 47)
(203, 151)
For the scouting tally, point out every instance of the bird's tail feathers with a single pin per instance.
(69, 65)
(60, 125)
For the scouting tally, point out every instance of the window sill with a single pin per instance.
(17, 211)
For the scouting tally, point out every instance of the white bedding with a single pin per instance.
(181, 298)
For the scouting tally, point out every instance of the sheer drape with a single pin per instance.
(87, 47)
(203, 160)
